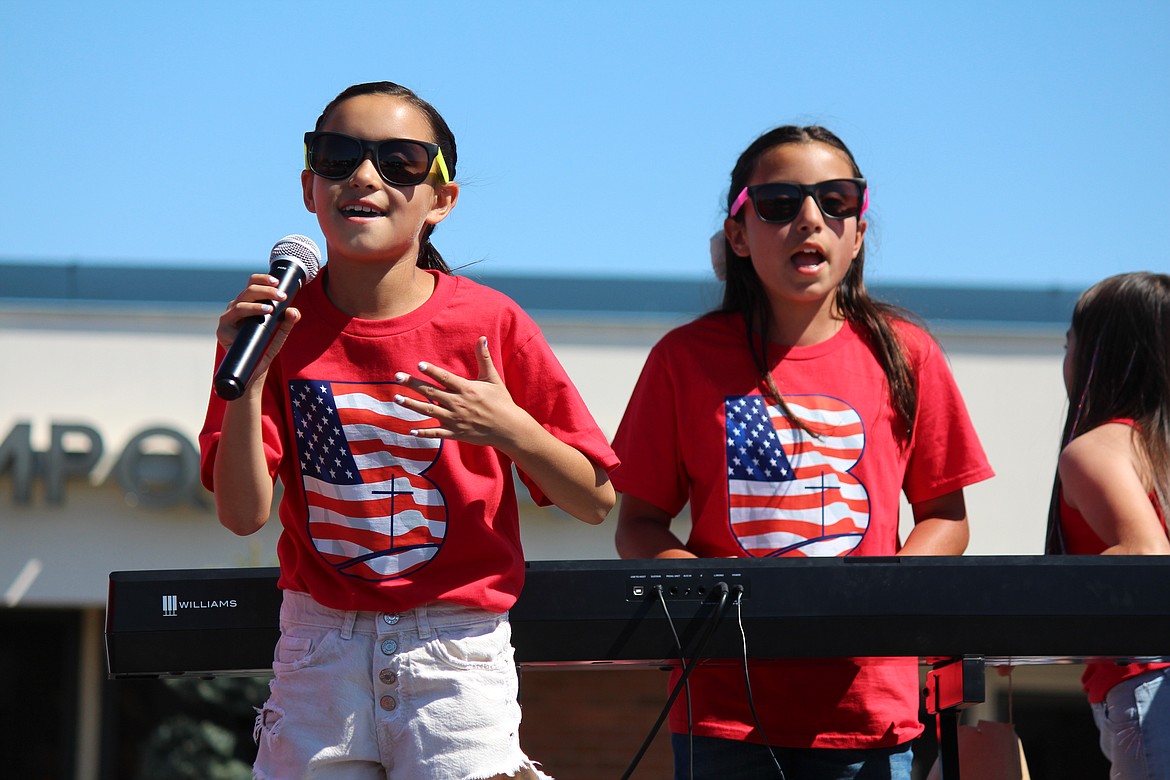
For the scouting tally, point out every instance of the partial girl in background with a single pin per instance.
(1112, 493)
(792, 419)
(392, 405)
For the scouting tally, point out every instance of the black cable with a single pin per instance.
(688, 667)
(687, 687)
(748, 680)
(682, 659)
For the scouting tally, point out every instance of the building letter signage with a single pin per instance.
(159, 467)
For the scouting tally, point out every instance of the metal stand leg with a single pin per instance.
(952, 685)
(947, 731)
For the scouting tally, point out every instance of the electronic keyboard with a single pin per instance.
(1017, 609)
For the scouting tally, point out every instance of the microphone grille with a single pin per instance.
(300, 248)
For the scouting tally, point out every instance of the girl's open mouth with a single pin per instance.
(362, 211)
(808, 259)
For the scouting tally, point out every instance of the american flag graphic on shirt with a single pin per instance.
(372, 511)
(790, 493)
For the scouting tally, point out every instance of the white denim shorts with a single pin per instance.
(418, 695)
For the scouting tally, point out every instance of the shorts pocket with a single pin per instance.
(480, 646)
(299, 646)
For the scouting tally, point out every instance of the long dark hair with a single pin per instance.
(744, 293)
(428, 256)
(1120, 363)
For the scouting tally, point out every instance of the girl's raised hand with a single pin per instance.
(256, 301)
(478, 411)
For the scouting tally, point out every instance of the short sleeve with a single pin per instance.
(648, 440)
(946, 454)
(540, 385)
(210, 434)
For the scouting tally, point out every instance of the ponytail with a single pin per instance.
(429, 258)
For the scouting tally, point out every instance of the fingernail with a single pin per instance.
(414, 431)
(400, 377)
(422, 366)
(399, 399)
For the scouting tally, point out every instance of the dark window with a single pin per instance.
(38, 689)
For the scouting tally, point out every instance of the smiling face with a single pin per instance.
(799, 263)
(363, 218)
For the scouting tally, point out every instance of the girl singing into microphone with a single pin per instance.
(392, 405)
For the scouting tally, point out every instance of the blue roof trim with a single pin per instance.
(88, 283)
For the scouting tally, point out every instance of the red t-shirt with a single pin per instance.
(375, 518)
(1080, 539)
(698, 430)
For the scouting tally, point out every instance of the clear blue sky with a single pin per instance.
(1007, 143)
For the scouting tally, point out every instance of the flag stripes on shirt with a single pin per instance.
(372, 511)
(790, 493)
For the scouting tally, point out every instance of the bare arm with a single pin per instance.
(940, 527)
(481, 411)
(243, 487)
(643, 531)
(1100, 473)
(567, 477)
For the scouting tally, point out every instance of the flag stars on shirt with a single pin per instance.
(754, 451)
(325, 450)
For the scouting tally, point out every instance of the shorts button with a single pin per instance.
(389, 647)
(390, 618)
(388, 676)
(388, 703)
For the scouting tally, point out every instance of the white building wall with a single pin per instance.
(1014, 388)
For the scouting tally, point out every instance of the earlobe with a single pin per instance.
(307, 191)
(734, 230)
(445, 198)
(859, 240)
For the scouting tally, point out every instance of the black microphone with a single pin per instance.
(294, 261)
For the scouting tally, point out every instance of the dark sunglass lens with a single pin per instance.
(403, 162)
(839, 199)
(777, 202)
(334, 156)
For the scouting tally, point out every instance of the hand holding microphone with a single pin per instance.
(294, 261)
